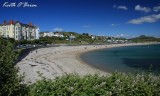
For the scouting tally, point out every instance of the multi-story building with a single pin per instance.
(19, 31)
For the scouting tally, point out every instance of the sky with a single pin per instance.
(120, 18)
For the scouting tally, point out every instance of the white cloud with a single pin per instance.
(122, 35)
(120, 7)
(86, 26)
(144, 9)
(114, 6)
(156, 9)
(114, 25)
(149, 19)
(58, 29)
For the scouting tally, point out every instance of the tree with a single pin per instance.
(86, 34)
(9, 80)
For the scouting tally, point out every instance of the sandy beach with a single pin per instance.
(57, 61)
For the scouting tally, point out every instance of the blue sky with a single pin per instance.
(125, 18)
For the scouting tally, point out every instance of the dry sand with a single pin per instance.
(58, 61)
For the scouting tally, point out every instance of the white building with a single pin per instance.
(51, 34)
(37, 32)
(58, 34)
(1, 30)
(46, 34)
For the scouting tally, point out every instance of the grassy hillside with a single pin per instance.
(144, 38)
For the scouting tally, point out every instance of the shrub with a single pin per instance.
(118, 84)
(9, 80)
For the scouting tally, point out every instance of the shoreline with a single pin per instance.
(110, 46)
(58, 61)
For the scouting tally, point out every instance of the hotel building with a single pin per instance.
(19, 31)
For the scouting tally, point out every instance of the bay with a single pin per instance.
(125, 59)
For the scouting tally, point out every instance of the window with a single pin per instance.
(16, 36)
(4, 28)
(19, 28)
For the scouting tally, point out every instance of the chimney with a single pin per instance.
(5, 22)
(30, 24)
(11, 22)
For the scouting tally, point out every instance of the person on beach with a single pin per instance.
(36, 51)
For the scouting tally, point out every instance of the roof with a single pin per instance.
(14, 22)
(59, 33)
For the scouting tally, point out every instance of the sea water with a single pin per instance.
(125, 59)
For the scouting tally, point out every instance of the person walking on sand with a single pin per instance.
(36, 51)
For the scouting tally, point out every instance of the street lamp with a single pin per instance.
(70, 38)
